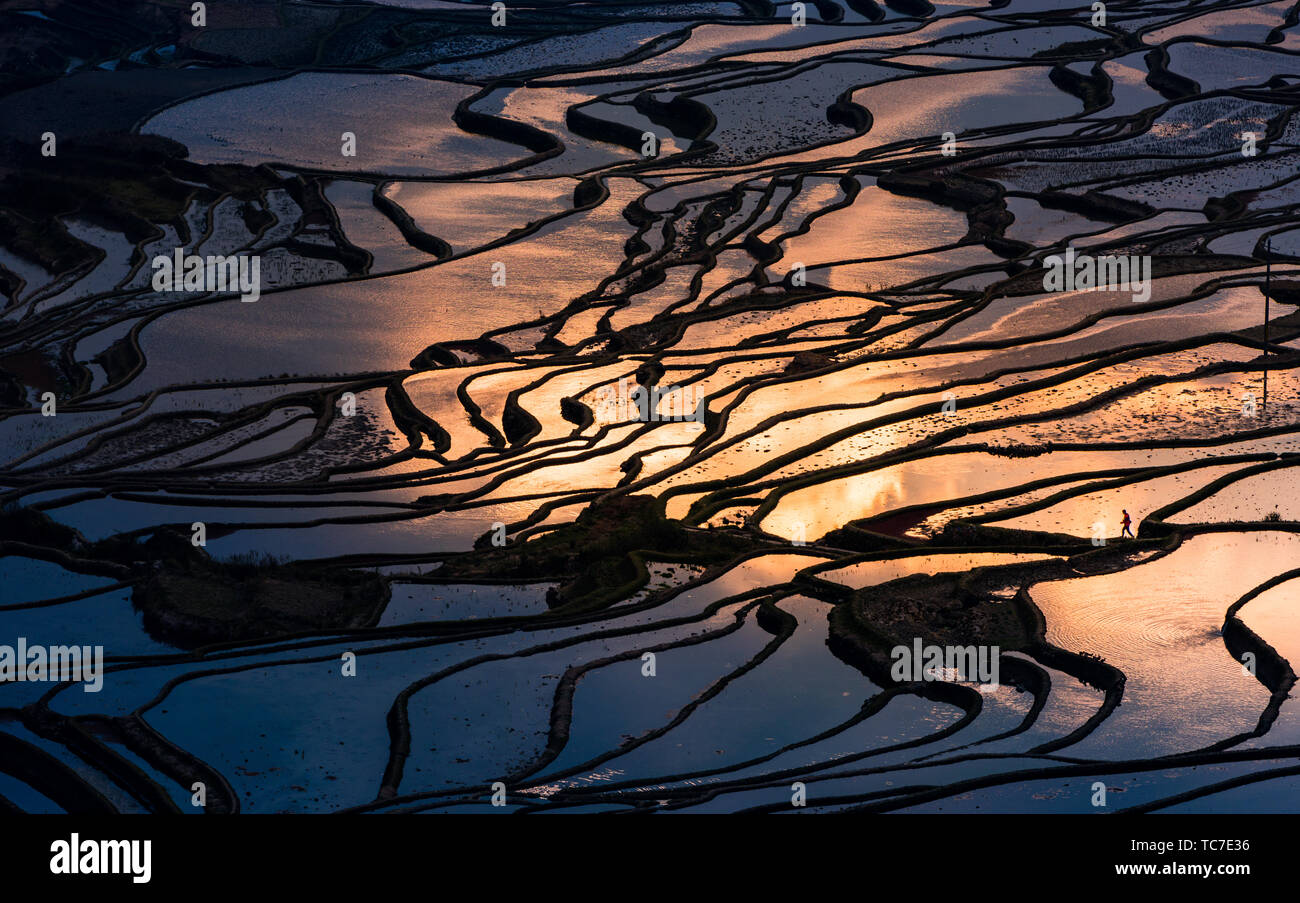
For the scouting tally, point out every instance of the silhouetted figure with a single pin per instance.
(1126, 531)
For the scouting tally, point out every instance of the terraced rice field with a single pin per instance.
(647, 375)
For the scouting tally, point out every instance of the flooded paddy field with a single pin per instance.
(612, 403)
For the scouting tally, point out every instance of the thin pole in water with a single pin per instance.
(1268, 285)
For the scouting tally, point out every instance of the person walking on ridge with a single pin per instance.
(1126, 531)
